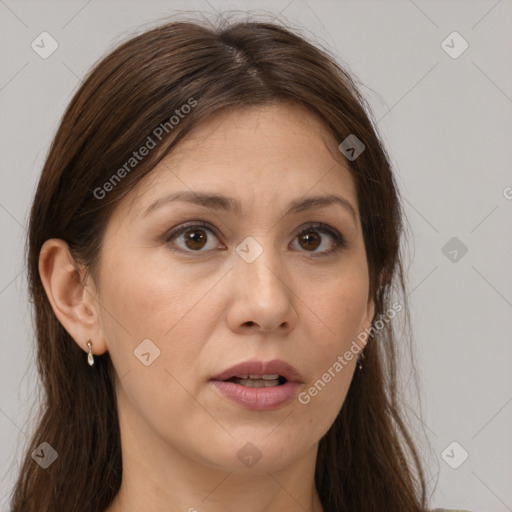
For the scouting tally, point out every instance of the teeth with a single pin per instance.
(257, 383)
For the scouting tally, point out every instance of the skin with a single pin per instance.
(208, 310)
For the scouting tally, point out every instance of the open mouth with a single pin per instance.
(258, 381)
(259, 385)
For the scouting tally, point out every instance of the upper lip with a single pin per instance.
(257, 367)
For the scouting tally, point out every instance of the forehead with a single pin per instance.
(265, 153)
(279, 131)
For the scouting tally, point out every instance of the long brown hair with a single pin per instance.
(367, 461)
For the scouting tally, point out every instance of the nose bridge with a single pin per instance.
(263, 296)
(258, 263)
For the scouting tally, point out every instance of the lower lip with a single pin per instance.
(258, 399)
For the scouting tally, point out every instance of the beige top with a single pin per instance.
(448, 510)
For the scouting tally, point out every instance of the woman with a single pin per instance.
(212, 251)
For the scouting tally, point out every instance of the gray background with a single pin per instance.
(448, 126)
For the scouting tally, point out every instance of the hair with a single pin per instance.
(367, 460)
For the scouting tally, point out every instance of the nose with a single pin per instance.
(262, 296)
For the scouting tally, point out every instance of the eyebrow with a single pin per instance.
(229, 204)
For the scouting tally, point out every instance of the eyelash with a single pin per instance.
(319, 226)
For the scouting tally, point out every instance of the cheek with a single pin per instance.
(325, 392)
(140, 301)
(155, 325)
(148, 282)
(322, 399)
(340, 314)
(338, 309)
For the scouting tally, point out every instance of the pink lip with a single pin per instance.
(259, 399)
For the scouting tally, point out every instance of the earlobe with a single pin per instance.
(73, 303)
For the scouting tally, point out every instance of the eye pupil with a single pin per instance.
(195, 238)
(310, 239)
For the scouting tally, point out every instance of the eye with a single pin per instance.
(314, 240)
(194, 237)
(318, 239)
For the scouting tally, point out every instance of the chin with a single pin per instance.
(257, 451)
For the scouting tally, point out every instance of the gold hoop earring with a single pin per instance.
(90, 358)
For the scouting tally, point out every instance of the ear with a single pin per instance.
(75, 304)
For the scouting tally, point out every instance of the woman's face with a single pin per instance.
(259, 257)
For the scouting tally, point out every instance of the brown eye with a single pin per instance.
(195, 238)
(319, 240)
(310, 240)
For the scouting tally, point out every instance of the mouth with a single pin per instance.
(259, 385)
(257, 373)
(258, 381)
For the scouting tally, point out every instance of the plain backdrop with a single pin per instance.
(445, 117)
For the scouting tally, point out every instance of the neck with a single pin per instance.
(219, 492)
(160, 475)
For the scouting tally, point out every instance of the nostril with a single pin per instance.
(250, 323)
